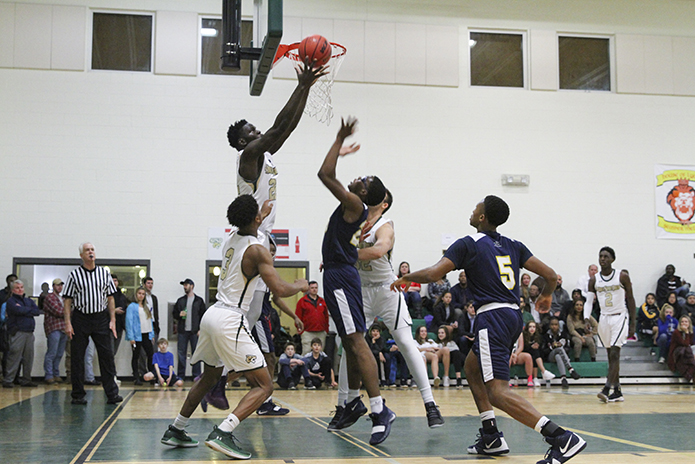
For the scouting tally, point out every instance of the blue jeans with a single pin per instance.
(54, 353)
(664, 344)
(184, 339)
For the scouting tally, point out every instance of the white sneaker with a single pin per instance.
(547, 375)
(447, 382)
(536, 382)
(662, 360)
(437, 381)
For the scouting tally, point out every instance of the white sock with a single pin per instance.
(541, 422)
(181, 422)
(229, 424)
(487, 415)
(352, 394)
(270, 399)
(377, 404)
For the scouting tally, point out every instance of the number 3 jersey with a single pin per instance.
(262, 189)
(379, 270)
(492, 264)
(235, 289)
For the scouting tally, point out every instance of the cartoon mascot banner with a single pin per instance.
(675, 201)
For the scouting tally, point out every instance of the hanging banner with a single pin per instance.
(675, 201)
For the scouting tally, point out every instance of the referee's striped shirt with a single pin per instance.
(89, 289)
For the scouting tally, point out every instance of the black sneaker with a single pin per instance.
(381, 425)
(616, 396)
(563, 448)
(115, 400)
(353, 411)
(80, 401)
(493, 444)
(178, 438)
(603, 395)
(575, 375)
(337, 415)
(565, 383)
(434, 417)
(271, 409)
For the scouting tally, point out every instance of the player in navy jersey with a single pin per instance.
(342, 286)
(492, 264)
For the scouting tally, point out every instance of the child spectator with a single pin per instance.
(680, 356)
(292, 368)
(163, 363)
(672, 299)
(533, 343)
(428, 349)
(667, 324)
(524, 287)
(380, 352)
(412, 295)
(522, 358)
(319, 366)
(647, 317)
(557, 345)
(464, 329)
(447, 344)
(139, 331)
(582, 331)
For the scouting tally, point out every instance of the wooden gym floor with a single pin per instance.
(39, 425)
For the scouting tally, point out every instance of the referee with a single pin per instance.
(89, 289)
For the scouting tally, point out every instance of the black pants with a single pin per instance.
(146, 345)
(325, 367)
(97, 327)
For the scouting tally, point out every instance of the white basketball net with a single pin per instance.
(319, 104)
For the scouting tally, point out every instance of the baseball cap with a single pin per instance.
(187, 281)
(57, 282)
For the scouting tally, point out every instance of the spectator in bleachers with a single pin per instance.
(292, 369)
(680, 356)
(434, 291)
(647, 317)
(568, 307)
(522, 358)
(446, 343)
(428, 348)
(670, 282)
(557, 346)
(533, 343)
(412, 296)
(54, 327)
(380, 352)
(583, 281)
(464, 329)
(525, 282)
(688, 309)
(525, 308)
(319, 366)
(461, 293)
(444, 312)
(666, 325)
(20, 314)
(560, 297)
(139, 331)
(672, 300)
(582, 331)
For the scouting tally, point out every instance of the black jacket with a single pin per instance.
(196, 313)
(439, 315)
(120, 301)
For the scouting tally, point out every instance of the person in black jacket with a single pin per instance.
(121, 303)
(444, 313)
(21, 312)
(557, 345)
(188, 311)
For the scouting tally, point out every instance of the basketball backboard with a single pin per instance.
(267, 34)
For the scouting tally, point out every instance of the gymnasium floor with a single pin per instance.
(39, 425)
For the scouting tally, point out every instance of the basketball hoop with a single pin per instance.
(318, 103)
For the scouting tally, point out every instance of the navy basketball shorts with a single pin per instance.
(343, 294)
(261, 331)
(496, 332)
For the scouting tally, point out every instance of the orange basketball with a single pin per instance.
(315, 47)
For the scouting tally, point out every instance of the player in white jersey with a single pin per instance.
(225, 337)
(376, 273)
(617, 322)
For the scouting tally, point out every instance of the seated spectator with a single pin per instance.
(292, 368)
(428, 349)
(680, 355)
(446, 344)
(560, 297)
(434, 291)
(381, 354)
(647, 317)
(533, 344)
(461, 293)
(688, 309)
(319, 366)
(412, 295)
(672, 300)
(444, 313)
(139, 330)
(557, 345)
(582, 331)
(163, 363)
(400, 373)
(568, 307)
(20, 313)
(522, 358)
(667, 323)
(525, 308)
(540, 318)
(670, 282)
(524, 287)
(464, 330)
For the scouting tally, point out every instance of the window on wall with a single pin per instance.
(211, 47)
(122, 42)
(497, 59)
(584, 63)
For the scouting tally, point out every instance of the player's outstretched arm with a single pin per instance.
(537, 266)
(352, 204)
(630, 300)
(285, 309)
(257, 259)
(427, 275)
(384, 243)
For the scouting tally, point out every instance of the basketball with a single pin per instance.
(315, 47)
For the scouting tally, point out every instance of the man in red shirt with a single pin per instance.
(311, 309)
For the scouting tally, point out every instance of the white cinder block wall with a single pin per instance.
(139, 164)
